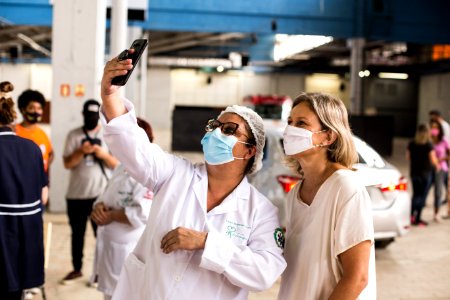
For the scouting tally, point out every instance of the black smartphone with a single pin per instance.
(139, 47)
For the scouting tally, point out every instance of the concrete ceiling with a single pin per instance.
(192, 29)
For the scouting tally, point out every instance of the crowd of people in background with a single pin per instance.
(90, 163)
(429, 155)
(202, 223)
(26, 154)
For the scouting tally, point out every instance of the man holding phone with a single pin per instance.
(89, 162)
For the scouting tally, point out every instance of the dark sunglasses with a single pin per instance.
(227, 128)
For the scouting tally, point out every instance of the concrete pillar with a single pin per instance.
(159, 103)
(119, 20)
(77, 59)
(356, 65)
(132, 88)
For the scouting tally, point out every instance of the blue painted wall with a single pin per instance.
(396, 20)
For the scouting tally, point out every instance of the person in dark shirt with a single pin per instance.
(422, 162)
(23, 190)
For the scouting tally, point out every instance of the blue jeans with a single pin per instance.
(440, 186)
(421, 186)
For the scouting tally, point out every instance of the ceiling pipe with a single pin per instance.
(221, 37)
(179, 38)
(18, 41)
(34, 45)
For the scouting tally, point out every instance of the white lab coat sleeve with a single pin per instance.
(255, 266)
(137, 213)
(144, 161)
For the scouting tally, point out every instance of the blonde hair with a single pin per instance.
(7, 111)
(333, 116)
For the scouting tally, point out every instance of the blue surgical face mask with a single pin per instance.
(218, 148)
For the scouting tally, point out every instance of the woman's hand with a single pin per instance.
(112, 104)
(100, 152)
(100, 214)
(113, 68)
(182, 238)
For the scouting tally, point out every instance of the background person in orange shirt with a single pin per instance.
(31, 105)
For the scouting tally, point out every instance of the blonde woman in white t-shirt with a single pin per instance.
(329, 231)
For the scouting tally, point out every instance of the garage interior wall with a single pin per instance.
(167, 88)
(434, 93)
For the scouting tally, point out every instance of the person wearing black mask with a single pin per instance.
(31, 105)
(90, 163)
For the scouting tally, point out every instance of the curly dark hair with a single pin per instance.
(30, 95)
(7, 111)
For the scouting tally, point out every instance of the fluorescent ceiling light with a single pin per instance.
(325, 76)
(393, 75)
(289, 45)
(340, 62)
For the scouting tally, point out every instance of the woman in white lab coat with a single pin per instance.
(121, 213)
(210, 234)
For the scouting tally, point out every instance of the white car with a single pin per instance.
(385, 184)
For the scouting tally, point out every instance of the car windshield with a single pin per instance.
(267, 111)
(274, 111)
(367, 155)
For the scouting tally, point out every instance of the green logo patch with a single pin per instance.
(278, 235)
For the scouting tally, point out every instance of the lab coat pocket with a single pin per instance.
(117, 254)
(130, 285)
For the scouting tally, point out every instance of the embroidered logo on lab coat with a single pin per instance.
(279, 237)
(237, 231)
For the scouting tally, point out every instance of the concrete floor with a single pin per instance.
(414, 267)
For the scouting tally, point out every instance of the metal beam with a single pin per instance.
(288, 16)
(179, 38)
(36, 38)
(195, 42)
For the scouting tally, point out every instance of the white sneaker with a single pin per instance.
(35, 290)
(93, 282)
(28, 295)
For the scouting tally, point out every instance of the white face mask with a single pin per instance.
(297, 140)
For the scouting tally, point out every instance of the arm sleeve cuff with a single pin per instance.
(217, 253)
(126, 121)
(135, 216)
